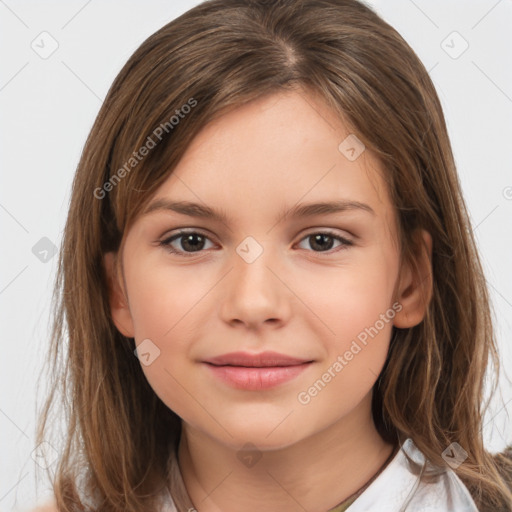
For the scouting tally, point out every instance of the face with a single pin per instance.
(268, 275)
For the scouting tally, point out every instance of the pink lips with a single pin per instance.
(247, 371)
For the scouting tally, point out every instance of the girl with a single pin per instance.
(269, 292)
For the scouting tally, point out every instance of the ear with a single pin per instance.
(118, 302)
(414, 290)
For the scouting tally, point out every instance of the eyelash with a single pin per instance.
(345, 243)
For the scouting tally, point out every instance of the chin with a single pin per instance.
(265, 436)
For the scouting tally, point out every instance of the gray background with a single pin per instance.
(47, 109)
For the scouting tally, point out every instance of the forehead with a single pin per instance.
(272, 155)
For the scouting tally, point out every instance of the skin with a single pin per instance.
(295, 298)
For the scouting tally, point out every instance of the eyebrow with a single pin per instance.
(300, 210)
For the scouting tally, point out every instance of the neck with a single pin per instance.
(316, 473)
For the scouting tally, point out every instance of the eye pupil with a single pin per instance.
(189, 239)
(318, 238)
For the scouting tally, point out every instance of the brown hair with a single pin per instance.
(216, 57)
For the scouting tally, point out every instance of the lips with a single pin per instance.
(261, 360)
(256, 372)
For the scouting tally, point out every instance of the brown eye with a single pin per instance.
(191, 242)
(324, 241)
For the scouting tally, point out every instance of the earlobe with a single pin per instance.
(416, 283)
(119, 308)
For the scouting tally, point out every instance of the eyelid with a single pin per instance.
(330, 231)
(184, 231)
(206, 234)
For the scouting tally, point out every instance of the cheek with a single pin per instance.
(355, 354)
(356, 312)
(161, 298)
(351, 297)
(165, 305)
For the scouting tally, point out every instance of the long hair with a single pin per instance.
(214, 58)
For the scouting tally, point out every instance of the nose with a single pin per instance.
(254, 293)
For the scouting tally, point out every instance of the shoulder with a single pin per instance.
(47, 507)
(443, 490)
(400, 486)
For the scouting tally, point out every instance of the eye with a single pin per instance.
(192, 242)
(324, 240)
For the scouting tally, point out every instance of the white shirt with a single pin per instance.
(395, 485)
(390, 491)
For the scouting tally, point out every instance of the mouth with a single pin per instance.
(268, 359)
(256, 378)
